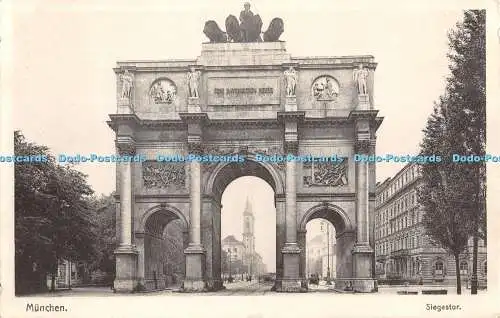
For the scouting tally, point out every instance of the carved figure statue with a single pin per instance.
(193, 80)
(246, 19)
(161, 95)
(360, 76)
(127, 80)
(251, 25)
(247, 29)
(291, 81)
(213, 32)
(274, 31)
(233, 29)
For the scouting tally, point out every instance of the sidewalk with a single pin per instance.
(452, 290)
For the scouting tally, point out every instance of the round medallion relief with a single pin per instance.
(325, 88)
(163, 91)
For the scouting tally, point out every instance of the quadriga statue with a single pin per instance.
(233, 29)
(213, 32)
(274, 31)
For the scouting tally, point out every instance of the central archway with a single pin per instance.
(217, 181)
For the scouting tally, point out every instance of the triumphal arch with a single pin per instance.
(244, 99)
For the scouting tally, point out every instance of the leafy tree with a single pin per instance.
(466, 88)
(444, 190)
(104, 209)
(53, 219)
(453, 193)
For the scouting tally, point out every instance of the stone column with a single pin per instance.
(139, 243)
(291, 280)
(302, 245)
(195, 260)
(291, 251)
(126, 253)
(362, 252)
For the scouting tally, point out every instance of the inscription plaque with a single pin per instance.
(243, 91)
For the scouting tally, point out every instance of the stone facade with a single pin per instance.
(317, 257)
(402, 250)
(244, 109)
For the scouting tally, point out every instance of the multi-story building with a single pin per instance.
(402, 249)
(317, 256)
(66, 276)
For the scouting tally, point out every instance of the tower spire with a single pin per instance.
(248, 208)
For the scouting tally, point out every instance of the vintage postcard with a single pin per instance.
(169, 158)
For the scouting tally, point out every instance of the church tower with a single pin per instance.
(248, 236)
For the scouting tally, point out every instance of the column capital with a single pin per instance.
(362, 146)
(195, 148)
(125, 145)
(291, 146)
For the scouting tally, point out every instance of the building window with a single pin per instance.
(485, 268)
(438, 268)
(464, 267)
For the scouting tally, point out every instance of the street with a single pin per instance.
(242, 288)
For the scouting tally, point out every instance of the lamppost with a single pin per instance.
(229, 278)
(70, 272)
(328, 280)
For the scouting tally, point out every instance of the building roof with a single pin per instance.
(230, 239)
(248, 208)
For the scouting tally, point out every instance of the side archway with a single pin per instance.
(161, 245)
(344, 234)
(165, 212)
(330, 212)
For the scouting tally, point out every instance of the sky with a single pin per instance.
(63, 85)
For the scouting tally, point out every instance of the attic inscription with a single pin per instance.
(242, 91)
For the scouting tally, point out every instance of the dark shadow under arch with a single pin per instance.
(225, 173)
(330, 212)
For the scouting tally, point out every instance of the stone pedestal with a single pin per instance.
(194, 105)
(290, 103)
(124, 106)
(291, 281)
(195, 269)
(126, 269)
(363, 102)
(362, 269)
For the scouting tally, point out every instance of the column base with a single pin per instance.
(289, 286)
(214, 285)
(195, 269)
(356, 285)
(362, 256)
(291, 282)
(126, 270)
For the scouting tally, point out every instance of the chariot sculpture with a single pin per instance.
(247, 29)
